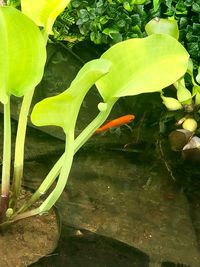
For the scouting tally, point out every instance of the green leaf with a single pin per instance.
(110, 31)
(167, 26)
(62, 110)
(44, 12)
(156, 4)
(171, 103)
(143, 65)
(190, 67)
(198, 75)
(127, 6)
(197, 99)
(22, 53)
(195, 89)
(183, 95)
(138, 2)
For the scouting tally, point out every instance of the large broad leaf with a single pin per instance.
(62, 110)
(142, 66)
(22, 53)
(43, 12)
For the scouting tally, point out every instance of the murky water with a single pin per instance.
(125, 194)
(129, 200)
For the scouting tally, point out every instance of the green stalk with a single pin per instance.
(20, 142)
(19, 147)
(5, 184)
(79, 142)
(26, 215)
(45, 35)
(94, 125)
(62, 180)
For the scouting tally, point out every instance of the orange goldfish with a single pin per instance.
(116, 122)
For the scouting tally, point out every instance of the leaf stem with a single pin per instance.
(5, 184)
(20, 141)
(62, 180)
(79, 142)
(19, 147)
(96, 123)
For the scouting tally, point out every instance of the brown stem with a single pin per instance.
(3, 207)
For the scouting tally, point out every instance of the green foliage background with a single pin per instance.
(110, 21)
(102, 21)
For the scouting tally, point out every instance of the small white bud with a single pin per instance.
(190, 125)
(102, 106)
(9, 213)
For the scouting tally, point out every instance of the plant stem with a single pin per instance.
(5, 184)
(62, 180)
(26, 215)
(94, 125)
(48, 181)
(19, 147)
(64, 173)
(79, 142)
(45, 35)
(20, 141)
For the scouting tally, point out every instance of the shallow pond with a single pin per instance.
(129, 200)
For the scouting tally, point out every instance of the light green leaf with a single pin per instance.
(171, 103)
(184, 95)
(44, 12)
(190, 71)
(156, 4)
(163, 26)
(190, 67)
(198, 76)
(62, 110)
(22, 53)
(143, 65)
(195, 90)
(138, 2)
(197, 99)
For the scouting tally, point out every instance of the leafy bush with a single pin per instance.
(103, 21)
(110, 21)
(188, 15)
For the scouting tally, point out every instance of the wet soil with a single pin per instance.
(26, 241)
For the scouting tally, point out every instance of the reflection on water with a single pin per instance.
(126, 195)
(129, 197)
(79, 248)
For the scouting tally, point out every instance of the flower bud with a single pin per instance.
(171, 103)
(102, 106)
(190, 125)
(9, 212)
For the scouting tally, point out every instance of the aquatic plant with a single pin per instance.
(135, 66)
(185, 99)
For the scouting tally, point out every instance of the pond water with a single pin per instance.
(123, 202)
(129, 200)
